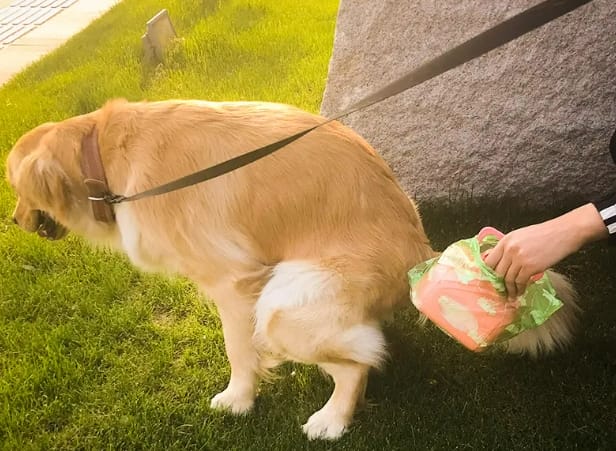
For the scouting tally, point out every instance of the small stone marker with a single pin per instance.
(159, 33)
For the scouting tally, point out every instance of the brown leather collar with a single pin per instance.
(94, 178)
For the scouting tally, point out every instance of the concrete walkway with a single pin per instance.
(30, 29)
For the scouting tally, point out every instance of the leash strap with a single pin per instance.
(484, 42)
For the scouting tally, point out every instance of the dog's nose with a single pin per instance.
(14, 220)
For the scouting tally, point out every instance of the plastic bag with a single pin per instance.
(467, 300)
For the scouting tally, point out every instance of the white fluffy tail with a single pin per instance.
(302, 315)
(556, 333)
(362, 343)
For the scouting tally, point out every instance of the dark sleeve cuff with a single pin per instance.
(606, 207)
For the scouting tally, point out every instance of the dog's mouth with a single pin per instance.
(49, 228)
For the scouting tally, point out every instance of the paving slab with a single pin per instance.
(29, 29)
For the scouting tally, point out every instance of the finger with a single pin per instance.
(504, 262)
(513, 289)
(508, 270)
(502, 269)
(522, 281)
(520, 289)
(494, 256)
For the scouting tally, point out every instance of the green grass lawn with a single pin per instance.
(96, 355)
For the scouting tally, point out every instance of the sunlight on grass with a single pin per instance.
(93, 352)
(97, 355)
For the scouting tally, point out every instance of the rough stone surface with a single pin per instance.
(530, 120)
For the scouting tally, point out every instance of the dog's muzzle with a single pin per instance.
(49, 228)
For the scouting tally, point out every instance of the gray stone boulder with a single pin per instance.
(530, 120)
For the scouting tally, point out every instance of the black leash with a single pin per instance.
(496, 36)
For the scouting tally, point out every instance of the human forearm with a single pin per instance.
(581, 226)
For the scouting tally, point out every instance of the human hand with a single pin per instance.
(525, 252)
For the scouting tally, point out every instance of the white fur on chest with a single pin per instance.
(161, 254)
(145, 255)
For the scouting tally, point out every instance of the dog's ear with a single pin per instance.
(45, 181)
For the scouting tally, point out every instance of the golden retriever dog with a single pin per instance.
(304, 253)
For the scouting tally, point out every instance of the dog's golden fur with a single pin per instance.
(304, 252)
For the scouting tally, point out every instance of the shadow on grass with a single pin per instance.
(455, 399)
(433, 394)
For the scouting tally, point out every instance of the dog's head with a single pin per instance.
(43, 170)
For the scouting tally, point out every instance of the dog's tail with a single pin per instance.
(556, 333)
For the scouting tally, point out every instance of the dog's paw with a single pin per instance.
(233, 401)
(326, 425)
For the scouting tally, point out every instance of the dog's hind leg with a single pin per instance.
(332, 420)
(236, 315)
(305, 314)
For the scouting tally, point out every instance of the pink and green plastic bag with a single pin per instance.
(468, 301)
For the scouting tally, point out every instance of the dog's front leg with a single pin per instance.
(236, 315)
